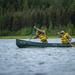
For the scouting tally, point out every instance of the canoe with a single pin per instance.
(23, 44)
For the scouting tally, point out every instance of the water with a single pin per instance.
(36, 61)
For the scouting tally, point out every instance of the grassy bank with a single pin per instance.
(13, 37)
(24, 37)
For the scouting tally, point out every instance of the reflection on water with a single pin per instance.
(36, 61)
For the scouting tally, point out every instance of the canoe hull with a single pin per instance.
(24, 44)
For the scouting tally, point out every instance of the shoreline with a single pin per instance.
(25, 37)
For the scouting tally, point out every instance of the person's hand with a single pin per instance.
(69, 40)
(35, 27)
(58, 33)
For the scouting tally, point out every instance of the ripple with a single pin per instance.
(40, 63)
(40, 73)
(35, 61)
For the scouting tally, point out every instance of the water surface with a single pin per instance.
(36, 61)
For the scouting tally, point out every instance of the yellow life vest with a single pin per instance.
(64, 38)
(42, 37)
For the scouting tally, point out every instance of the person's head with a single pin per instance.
(43, 30)
(62, 32)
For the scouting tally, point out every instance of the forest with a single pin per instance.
(17, 17)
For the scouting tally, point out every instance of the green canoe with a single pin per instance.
(24, 44)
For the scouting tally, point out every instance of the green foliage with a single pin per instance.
(52, 15)
(52, 31)
(24, 31)
(70, 28)
(6, 33)
(44, 28)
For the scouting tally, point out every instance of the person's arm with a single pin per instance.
(39, 29)
(69, 38)
(35, 37)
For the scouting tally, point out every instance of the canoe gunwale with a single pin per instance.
(23, 44)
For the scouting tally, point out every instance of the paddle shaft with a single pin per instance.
(72, 45)
(31, 34)
(69, 43)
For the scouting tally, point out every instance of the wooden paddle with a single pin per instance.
(72, 45)
(69, 43)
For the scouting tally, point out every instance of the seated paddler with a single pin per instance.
(40, 34)
(65, 37)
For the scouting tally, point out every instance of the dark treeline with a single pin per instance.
(17, 17)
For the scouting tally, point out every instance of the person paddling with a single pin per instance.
(65, 37)
(40, 34)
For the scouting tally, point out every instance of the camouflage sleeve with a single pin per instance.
(69, 37)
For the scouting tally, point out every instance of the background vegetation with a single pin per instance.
(17, 17)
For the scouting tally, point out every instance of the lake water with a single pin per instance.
(36, 61)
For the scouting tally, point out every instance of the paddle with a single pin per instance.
(31, 34)
(66, 40)
(69, 43)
